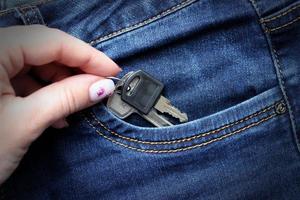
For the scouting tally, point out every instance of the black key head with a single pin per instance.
(141, 91)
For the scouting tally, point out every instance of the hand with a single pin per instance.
(27, 107)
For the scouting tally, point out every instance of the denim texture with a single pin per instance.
(232, 66)
(6, 4)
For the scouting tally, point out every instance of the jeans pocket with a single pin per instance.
(216, 67)
(262, 110)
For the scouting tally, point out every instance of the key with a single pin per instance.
(122, 110)
(164, 105)
(118, 106)
(138, 92)
(143, 92)
(156, 119)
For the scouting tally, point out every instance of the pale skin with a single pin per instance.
(27, 107)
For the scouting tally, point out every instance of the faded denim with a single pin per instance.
(232, 66)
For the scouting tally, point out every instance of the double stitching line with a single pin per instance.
(143, 23)
(187, 138)
(155, 151)
(10, 10)
(279, 73)
(265, 20)
(184, 148)
(281, 14)
(285, 25)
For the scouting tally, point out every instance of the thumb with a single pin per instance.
(60, 99)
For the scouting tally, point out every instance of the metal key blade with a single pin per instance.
(123, 110)
(156, 119)
(164, 105)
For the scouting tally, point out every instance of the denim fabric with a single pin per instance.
(6, 4)
(232, 66)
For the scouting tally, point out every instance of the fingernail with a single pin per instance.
(61, 124)
(65, 124)
(101, 89)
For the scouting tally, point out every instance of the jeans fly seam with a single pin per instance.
(279, 73)
(187, 139)
(143, 23)
(10, 10)
(162, 151)
(281, 14)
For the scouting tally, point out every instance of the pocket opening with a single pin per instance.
(190, 135)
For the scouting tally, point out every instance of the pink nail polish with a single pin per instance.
(101, 89)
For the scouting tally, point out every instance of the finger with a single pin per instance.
(51, 72)
(25, 85)
(58, 100)
(39, 45)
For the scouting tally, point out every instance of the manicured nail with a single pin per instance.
(61, 124)
(101, 89)
(64, 124)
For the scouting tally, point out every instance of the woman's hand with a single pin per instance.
(28, 107)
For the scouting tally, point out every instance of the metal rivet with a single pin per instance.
(280, 108)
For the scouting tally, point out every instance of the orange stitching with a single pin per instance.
(183, 139)
(184, 148)
(281, 14)
(285, 25)
(279, 75)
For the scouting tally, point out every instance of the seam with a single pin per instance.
(35, 14)
(281, 14)
(21, 15)
(10, 10)
(24, 16)
(187, 138)
(285, 25)
(279, 73)
(286, 98)
(29, 13)
(188, 147)
(143, 23)
(40, 16)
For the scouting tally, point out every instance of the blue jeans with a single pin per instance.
(232, 66)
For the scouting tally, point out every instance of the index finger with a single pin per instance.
(39, 45)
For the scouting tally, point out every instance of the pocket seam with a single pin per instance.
(266, 20)
(281, 14)
(284, 25)
(187, 139)
(271, 115)
(176, 150)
